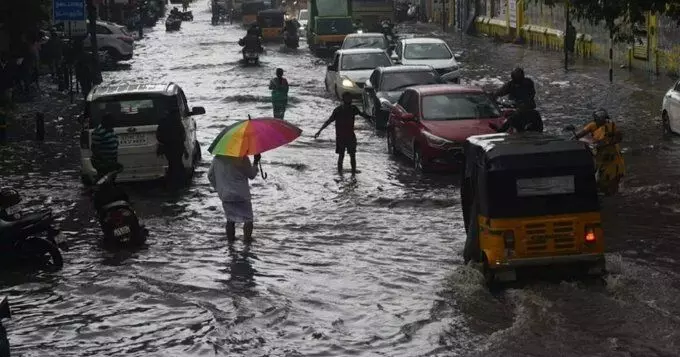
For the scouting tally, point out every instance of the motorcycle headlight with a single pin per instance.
(347, 83)
(435, 140)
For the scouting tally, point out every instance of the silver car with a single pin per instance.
(351, 68)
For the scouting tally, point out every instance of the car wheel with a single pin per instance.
(198, 155)
(418, 162)
(113, 53)
(391, 144)
(43, 253)
(666, 124)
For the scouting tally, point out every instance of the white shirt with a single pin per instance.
(229, 176)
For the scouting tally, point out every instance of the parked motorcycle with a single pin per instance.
(116, 216)
(28, 238)
(173, 23)
(4, 314)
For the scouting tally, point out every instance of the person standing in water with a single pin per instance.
(279, 88)
(229, 176)
(345, 139)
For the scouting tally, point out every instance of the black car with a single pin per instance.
(388, 83)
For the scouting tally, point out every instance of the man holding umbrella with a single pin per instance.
(229, 176)
(231, 168)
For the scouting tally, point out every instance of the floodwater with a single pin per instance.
(341, 266)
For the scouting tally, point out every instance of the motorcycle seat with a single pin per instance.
(115, 204)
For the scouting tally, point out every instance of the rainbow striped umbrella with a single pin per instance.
(253, 136)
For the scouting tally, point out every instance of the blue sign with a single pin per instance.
(69, 10)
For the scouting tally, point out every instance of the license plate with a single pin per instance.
(59, 238)
(133, 139)
(121, 231)
(12, 209)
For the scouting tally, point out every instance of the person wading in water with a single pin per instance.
(279, 88)
(345, 139)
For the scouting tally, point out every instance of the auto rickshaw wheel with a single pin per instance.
(489, 275)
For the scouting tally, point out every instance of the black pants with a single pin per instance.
(175, 172)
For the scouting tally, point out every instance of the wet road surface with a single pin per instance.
(365, 266)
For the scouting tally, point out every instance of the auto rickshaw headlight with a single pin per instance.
(509, 241)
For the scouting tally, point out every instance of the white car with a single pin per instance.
(670, 110)
(428, 51)
(111, 38)
(303, 18)
(137, 110)
(351, 68)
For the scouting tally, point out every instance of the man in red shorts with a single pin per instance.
(345, 139)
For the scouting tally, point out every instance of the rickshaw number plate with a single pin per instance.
(544, 186)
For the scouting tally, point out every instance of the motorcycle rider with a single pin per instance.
(608, 159)
(252, 41)
(105, 147)
(519, 88)
(524, 119)
(387, 28)
(290, 33)
(175, 12)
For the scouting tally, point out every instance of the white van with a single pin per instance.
(137, 110)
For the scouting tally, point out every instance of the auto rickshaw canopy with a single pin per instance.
(271, 18)
(528, 174)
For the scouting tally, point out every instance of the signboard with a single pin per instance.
(545, 186)
(68, 10)
(641, 38)
(78, 28)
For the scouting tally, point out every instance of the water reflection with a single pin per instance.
(241, 280)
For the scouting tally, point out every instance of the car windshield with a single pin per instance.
(459, 106)
(365, 42)
(401, 80)
(132, 111)
(303, 16)
(359, 61)
(435, 50)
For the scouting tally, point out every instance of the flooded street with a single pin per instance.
(341, 266)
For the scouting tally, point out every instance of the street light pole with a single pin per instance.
(611, 56)
(92, 17)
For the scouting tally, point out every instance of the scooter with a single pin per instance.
(28, 237)
(116, 216)
(4, 314)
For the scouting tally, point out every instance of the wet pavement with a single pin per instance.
(365, 266)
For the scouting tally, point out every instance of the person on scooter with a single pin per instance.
(524, 119)
(608, 159)
(290, 34)
(105, 147)
(519, 88)
(252, 41)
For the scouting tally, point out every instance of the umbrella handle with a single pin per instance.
(262, 173)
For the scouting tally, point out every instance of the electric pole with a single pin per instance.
(92, 29)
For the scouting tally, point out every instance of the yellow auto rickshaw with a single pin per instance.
(530, 200)
(249, 11)
(271, 22)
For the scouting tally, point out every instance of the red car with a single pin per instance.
(430, 123)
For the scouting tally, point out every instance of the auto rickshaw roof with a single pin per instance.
(271, 12)
(529, 150)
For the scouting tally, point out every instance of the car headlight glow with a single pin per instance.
(436, 140)
(347, 83)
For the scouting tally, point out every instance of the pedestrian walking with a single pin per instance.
(171, 137)
(345, 138)
(105, 147)
(279, 88)
(54, 53)
(570, 41)
(230, 177)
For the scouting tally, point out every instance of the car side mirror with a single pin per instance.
(385, 104)
(394, 57)
(368, 85)
(197, 110)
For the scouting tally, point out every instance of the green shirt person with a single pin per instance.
(279, 88)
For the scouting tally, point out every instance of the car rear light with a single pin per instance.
(126, 39)
(589, 235)
(509, 241)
